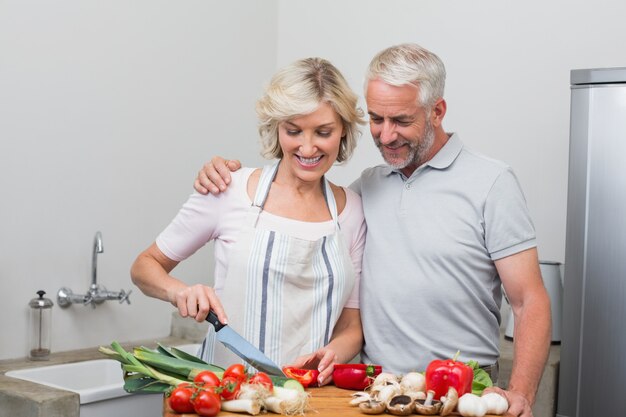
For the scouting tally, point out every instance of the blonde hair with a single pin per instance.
(297, 90)
(409, 63)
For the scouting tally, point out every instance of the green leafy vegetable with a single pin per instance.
(481, 378)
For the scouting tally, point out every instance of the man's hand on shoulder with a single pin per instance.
(214, 176)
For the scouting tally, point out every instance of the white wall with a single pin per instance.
(508, 69)
(108, 109)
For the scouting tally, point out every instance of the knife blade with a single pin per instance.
(242, 348)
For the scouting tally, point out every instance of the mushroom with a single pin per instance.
(428, 407)
(416, 395)
(372, 407)
(383, 378)
(413, 381)
(400, 405)
(375, 389)
(449, 401)
(359, 397)
(383, 393)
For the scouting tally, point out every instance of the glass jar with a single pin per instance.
(40, 327)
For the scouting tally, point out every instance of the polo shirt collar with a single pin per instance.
(446, 155)
(442, 159)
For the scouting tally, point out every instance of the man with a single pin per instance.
(446, 227)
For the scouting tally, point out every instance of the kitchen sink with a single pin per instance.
(93, 380)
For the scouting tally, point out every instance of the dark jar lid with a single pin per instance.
(41, 302)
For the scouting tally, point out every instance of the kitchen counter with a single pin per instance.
(25, 398)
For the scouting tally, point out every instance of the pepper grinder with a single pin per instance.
(40, 327)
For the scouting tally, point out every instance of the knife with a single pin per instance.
(242, 348)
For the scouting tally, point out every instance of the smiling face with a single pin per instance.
(310, 143)
(401, 127)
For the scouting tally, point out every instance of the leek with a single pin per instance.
(147, 370)
(177, 353)
(182, 367)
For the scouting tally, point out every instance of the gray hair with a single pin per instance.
(409, 63)
(297, 90)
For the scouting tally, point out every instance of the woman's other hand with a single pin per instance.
(322, 359)
(345, 343)
(214, 176)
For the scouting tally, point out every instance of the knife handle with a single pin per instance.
(212, 318)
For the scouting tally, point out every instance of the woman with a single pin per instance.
(288, 243)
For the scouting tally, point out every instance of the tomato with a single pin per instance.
(207, 379)
(230, 387)
(263, 379)
(207, 403)
(180, 399)
(307, 377)
(237, 371)
(356, 376)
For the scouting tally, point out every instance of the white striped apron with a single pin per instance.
(282, 293)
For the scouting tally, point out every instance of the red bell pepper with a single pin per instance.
(307, 377)
(356, 376)
(442, 374)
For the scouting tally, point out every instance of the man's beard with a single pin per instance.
(418, 150)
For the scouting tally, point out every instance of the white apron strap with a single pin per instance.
(330, 201)
(265, 183)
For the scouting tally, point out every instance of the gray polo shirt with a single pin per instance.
(429, 286)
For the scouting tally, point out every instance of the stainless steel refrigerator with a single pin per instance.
(592, 376)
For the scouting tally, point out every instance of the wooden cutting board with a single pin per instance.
(328, 401)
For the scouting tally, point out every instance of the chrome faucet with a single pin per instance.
(97, 248)
(96, 294)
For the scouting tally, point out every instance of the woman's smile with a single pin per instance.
(309, 162)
